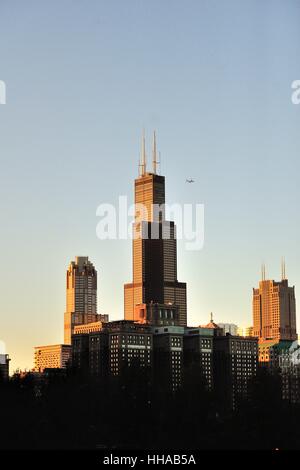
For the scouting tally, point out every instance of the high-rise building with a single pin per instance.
(56, 356)
(230, 328)
(81, 295)
(154, 248)
(274, 310)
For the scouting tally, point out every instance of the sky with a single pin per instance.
(83, 79)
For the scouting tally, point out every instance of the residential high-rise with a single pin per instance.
(154, 248)
(274, 310)
(81, 285)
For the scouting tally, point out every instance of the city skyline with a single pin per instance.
(84, 259)
(214, 80)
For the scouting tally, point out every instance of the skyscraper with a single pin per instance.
(274, 310)
(81, 295)
(154, 247)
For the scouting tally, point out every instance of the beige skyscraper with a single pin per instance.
(154, 248)
(81, 295)
(274, 310)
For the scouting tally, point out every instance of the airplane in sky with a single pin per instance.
(189, 180)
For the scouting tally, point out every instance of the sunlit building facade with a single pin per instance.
(198, 351)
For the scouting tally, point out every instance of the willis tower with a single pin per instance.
(155, 296)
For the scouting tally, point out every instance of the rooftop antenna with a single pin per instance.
(143, 162)
(211, 317)
(283, 274)
(154, 157)
(263, 272)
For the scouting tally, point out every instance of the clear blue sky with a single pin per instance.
(83, 79)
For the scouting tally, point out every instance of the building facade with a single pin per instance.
(198, 351)
(230, 328)
(88, 327)
(4, 367)
(226, 363)
(81, 295)
(235, 364)
(168, 356)
(283, 358)
(117, 346)
(157, 314)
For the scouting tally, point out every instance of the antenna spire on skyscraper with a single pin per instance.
(154, 154)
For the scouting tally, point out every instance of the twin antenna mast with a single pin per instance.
(143, 158)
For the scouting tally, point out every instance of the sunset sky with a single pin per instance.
(83, 79)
